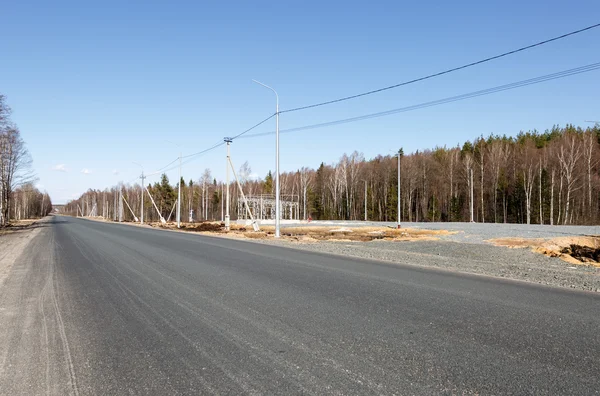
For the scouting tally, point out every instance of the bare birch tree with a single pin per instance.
(568, 158)
(15, 168)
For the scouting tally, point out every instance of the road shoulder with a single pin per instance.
(13, 241)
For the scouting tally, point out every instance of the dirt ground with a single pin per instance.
(16, 226)
(13, 240)
(581, 250)
(313, 234)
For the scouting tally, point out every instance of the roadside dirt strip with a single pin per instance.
(13, 241)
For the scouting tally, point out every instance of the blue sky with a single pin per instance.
(96, 86)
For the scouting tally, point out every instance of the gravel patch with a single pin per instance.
(472, 232)
(477, 258)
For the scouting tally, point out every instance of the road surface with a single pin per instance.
(96, 308)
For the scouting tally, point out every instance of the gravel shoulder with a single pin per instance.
(477, 258)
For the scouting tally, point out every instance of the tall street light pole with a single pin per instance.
(227, 222)
(142, 177)
(277, 203)
(179, 195)
(399, 207)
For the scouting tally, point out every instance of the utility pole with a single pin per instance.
(143, 186)
(472, 192)
(120, 203)
(399, 208)
(179, 195)
(365, 200)
(277, 201)
(205, 199)
(227, 224)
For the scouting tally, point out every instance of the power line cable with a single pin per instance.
(488, 91)
(443, 72)
(253, 127)
(194, 155)
(220, 143)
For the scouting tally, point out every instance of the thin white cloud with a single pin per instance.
(86, 171)
(115, 172)
(60, 168)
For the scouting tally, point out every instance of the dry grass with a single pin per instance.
(579, 250)
(361, 234)
(310, 234)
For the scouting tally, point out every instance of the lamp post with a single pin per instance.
(227, 221)
(142, 177)
(399, 206)
(277, 203)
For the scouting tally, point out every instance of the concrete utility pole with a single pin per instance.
(120, 204)
(365, 200)
(472, 192)
(227, 224)
(162, 219)
(143, 186)
(179, 195)
(142, 203)
(178, 188)
(248, 211)
(277, 202)
(399, 208)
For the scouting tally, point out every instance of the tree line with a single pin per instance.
(550, 177)
(19, 198)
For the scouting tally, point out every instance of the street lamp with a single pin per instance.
(400, 153)
(178, 187)
(277, 204)
(142, 177)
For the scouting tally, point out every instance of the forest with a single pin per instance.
(550, 177)
(19, 198)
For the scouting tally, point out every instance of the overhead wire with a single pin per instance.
(488, 91)
(536, 80)
(504, 54)
(193, 156)
(253, 127)
(220, 143)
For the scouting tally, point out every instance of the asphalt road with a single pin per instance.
(107, 309)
